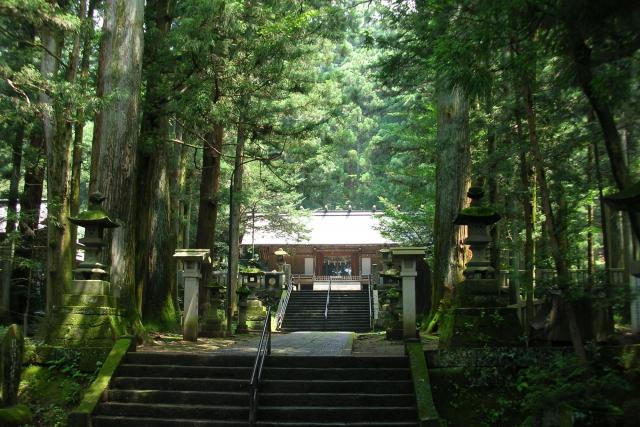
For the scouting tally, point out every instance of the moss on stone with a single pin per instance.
(427, 412)
(17, 415)
(93, 216)
(82, 414)
(478, 211)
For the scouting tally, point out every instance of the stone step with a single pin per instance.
(187, 359)
(182, 371)
(344, 414)
(338, 362)
(337, 424)
(168, 383)
(336, 399)
(89, 287)
(181, 411)
(336, 386)
(337, 374)
(72, 300)
(119, 421)
(176, 396)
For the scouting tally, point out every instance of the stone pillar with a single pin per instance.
(191, 259)
(408, 274)
(406, 257)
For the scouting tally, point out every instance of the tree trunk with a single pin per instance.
(208, 204)
(85, 14)
(12, 214)
(30, 201)
(115, 140)
(582, 60)
(234, 220)
(527, 180)
(452, 181)
(605, 328)
(57, 134)
(156, 241)
(556, 240)
(183, 195)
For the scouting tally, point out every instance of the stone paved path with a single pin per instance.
(300, 344)
(294, 344)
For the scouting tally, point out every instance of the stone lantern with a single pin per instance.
(280, 254)
(478, 219)
(89, 318)
(192, 259)
(480, 315)
(212, 323)
(94, 220)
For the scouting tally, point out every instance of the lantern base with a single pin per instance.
(480, 327)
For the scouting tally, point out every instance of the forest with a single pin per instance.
(191, 116)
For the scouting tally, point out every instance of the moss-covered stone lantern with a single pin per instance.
(480, 314)
(252, 278)
(478, 219)
(94, 220)
(89, 319)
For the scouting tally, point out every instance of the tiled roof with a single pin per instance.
(328, 228)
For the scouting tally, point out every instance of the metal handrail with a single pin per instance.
(370, 295)
(284, 301)
(326, 305)
(264, 349)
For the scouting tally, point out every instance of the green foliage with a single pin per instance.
(52, 391)
(590, 393)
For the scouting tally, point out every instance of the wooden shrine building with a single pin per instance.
(343, 245)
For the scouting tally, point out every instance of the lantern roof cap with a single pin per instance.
(477, 215)
(95, 217)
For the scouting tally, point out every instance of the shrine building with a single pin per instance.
(340, 245)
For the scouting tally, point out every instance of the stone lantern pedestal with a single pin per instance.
(243, 293)
(212, 324)
(89, 319)
(481, 315)
(191, 259)
(407, 258)
(253, 280)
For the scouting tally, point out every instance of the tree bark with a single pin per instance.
(581, 54)
(156, 240)
(57, 133)
(208, 199)
(85, 14)
(557, 238)
(234, 212)
(12, 214)
(527, 180)
(115, 140)
(30, 201)
(452, 182)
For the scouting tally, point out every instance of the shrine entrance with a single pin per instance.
(337, 265)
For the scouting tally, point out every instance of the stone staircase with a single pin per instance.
(348, 311)
(191, 390)
(178, 390)
(299, 391)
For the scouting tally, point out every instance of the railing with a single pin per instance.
(326, 305)
(370, 294)
(284, 301)
(337, 278)
(264, 349)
